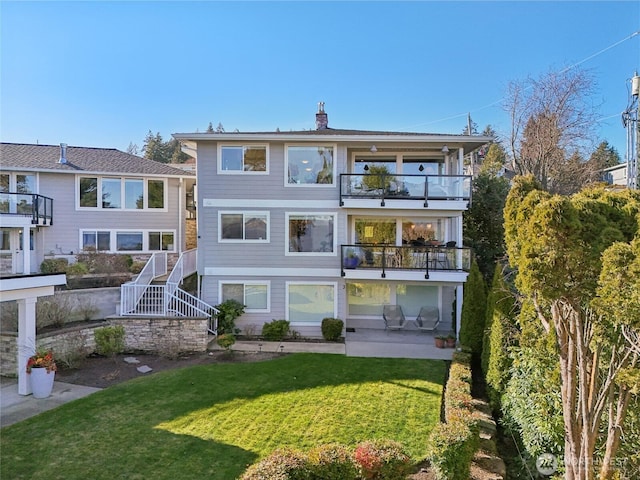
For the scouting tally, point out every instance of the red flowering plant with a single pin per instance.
(42, 359)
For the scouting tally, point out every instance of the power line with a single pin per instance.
(497, 102)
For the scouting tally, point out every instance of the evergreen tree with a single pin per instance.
(473, 311)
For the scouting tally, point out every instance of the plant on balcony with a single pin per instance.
(378, 178)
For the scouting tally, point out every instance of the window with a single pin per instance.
(133, 198)
(242, 159)
(121, 193)
(310, 233)
(309, 303)
(244, 226)
(5, 239)
(368, 298)
(129, 241)
(111, 192)
(96, 240)
(156, 193)
(309, 165)
(88, 192)
(161, 241)
(254, 296)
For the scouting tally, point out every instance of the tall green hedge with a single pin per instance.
(473, 311)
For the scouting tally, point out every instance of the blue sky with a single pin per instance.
(105, 73)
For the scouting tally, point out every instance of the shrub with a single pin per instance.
(226, 340)
(332, 462)
(332, 328)
(78, 268)
(101, 262)
(382, 460)
(275, 330)
(54, 310)
(282, 464)
(86, 309)
(451, 449)
(473, 311)
(54, 265)
(73, 350)
(229, 311)
(109, 340)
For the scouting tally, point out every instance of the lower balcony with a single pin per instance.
(380, 261)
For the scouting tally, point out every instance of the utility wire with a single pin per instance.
(628, 37)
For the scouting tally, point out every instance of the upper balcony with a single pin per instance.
(22, 209)
(435, 262)
(438, 192)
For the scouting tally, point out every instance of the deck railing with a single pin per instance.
(426, 258)
(38, 207)
(405, 187)
(140, 298)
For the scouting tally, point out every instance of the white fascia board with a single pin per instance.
(379, 138)
(98, 172)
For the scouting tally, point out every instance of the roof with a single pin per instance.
(351, 137)
(25, 156)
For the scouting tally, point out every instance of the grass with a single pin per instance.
(212, 421)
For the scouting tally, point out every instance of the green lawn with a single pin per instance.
(213, 421)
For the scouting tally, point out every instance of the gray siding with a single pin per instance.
(62, 238)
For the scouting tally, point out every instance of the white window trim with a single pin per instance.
(333, 146)
(113, 239)
(244, 283)
(287, 253)
(241, 172)
(263, 213)
(145, 194)
(311, 324)
(13, 181)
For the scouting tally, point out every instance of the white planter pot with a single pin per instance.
(41, 382)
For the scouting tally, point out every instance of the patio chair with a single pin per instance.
(393, 317)
(428, 319)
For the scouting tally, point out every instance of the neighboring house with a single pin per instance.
(616, 175)
(304, 225)
(67, 200)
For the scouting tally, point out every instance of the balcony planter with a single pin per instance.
(440, 341)
(451, 341)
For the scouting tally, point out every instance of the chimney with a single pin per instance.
(63, 154)
(321, 117)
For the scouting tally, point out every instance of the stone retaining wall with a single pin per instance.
(164, 336)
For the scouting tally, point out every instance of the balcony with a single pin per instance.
(446, 192)
(414, 262)
(19, 209)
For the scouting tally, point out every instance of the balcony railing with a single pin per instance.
(417, 258)
(38, 207)
(405, 187)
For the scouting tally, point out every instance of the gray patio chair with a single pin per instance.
(428, 319)
(393, 317)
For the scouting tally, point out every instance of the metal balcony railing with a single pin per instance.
(405, 187)
(38, 207)
(425, 259)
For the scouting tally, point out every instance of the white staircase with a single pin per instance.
(140, 298)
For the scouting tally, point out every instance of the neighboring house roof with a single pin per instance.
(21, 156)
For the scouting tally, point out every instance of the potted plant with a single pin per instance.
(451, 341)
(351, 260)
(440, 339)
(42, 367)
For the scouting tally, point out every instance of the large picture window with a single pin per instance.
(127, 241)
(309, 165)
(309, 303)
(310, 233)
(244, 226)
(253, 295)
(121, 193)
(242, 159)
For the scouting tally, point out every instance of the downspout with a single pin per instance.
(180, 215)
